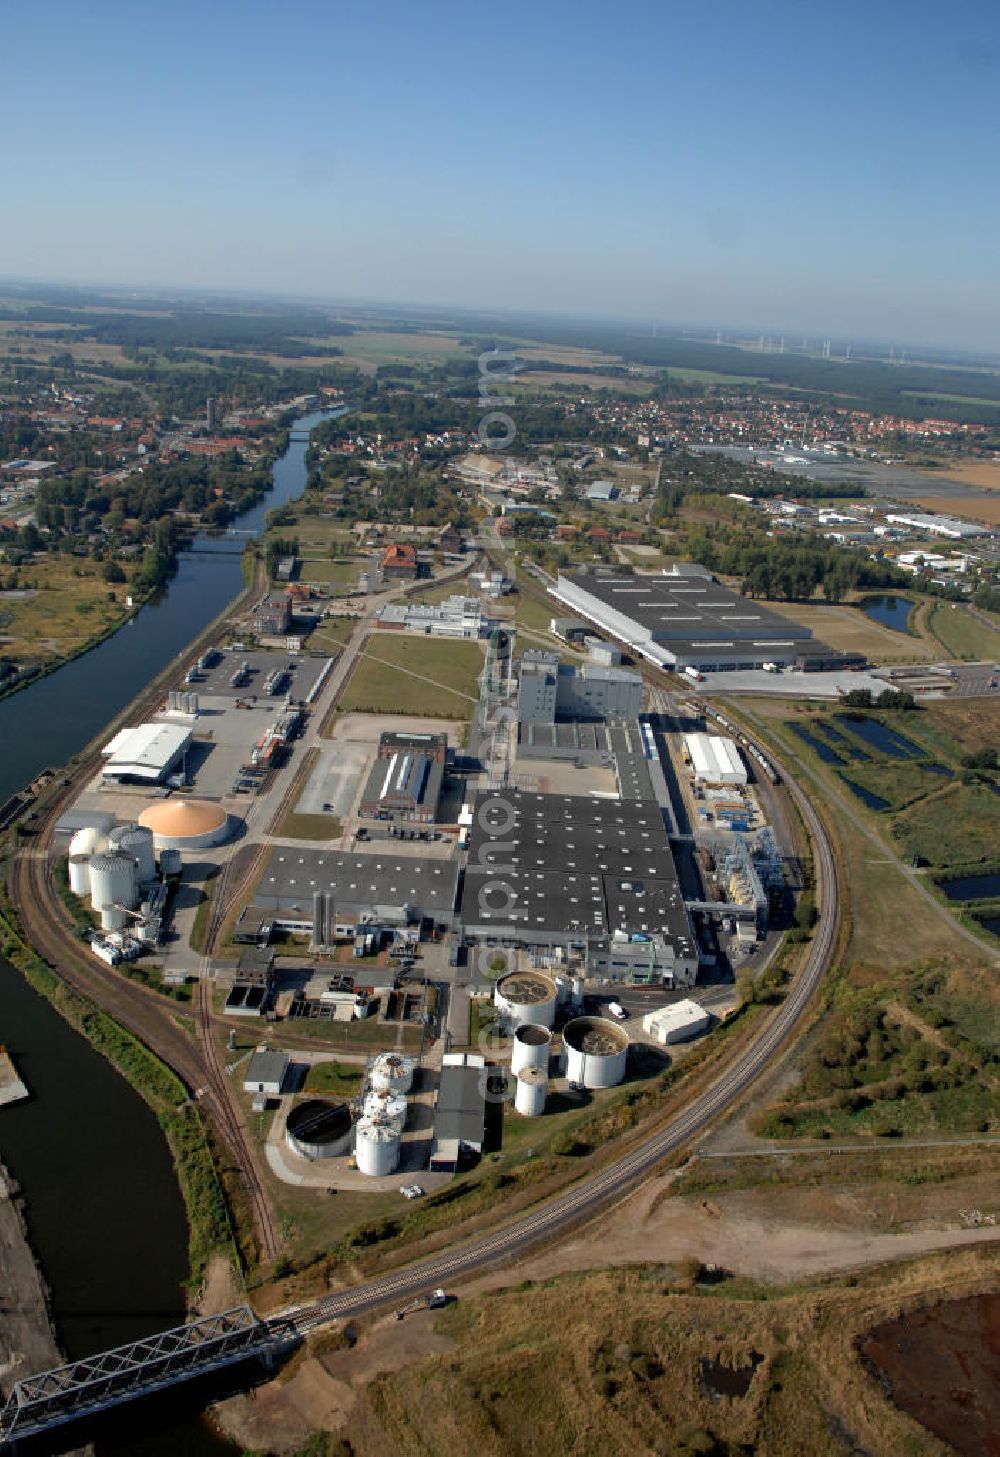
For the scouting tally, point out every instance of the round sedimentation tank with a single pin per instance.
(79, 874)
(318, 1129)
(186, 824)
(527, 998)
(113, 880)
(377, 1148)
(392, 1073)
(87, 841)
(137, 841)
(594, 1052)
(113, 918)
(532, 1084)
(530, 1048)
(387, 1108)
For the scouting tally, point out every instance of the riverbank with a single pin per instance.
(29, 1342)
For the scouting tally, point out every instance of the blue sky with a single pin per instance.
(770, 165)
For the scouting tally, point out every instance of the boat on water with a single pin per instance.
(12, 1089)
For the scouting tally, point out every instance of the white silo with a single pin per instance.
(527, 997)
(113, 880)
(137, 841)
(377, 1148)
(386, 1108)
(87, 841)
(595, 1052)
(392, 1072)
(530, 1048)
(79, 874)
(579, 987)
(113, 918)
(532, 1084)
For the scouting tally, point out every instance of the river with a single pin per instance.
(104, 1214)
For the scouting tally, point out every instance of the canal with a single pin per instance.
(104, 1214)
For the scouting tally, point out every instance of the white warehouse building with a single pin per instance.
(714, 760)
(676, 1022)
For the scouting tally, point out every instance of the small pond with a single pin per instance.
(843, 744)
(873, 801)
(718, 1379)
(889, 610)
(991, 924)
(972, 887)
(817, 745)
(879, 736)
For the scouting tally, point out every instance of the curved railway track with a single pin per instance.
(591, 1194)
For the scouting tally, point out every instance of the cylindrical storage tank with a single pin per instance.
(392, 1073)
(87, 841)
(377, 1148)
(387, 1108)
(530, 1048)
(113, 918)
(186, 824)
(171, 862)
(594, 1052)
(527, 997)
(579, 988)
(137, 841)
(79, 874)
(113, 880)
(318, 1129)
(531, 1086)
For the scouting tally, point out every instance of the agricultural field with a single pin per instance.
(964, 635)
(975, 508)
(982, 473)
(573, 383)
(425, 677)
(59, 604)
(372, 347)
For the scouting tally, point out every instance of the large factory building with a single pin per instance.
(550, 690)
(593, 878)
(684, 618)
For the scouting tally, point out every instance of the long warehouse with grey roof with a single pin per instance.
(684, 618)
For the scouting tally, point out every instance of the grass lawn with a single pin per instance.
(530, 612)
(441, 593)
(296, 826)
(337, 1079)
(850, 630)
(966, 724)
(959, 826)
(426, 677)
(963, 635)
(327, 573)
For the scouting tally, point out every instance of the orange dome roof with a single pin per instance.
(178, 819)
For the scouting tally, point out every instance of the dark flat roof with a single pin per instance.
(461, 1105)
(292, 875)
(686, 609)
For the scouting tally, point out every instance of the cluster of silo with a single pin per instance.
(181, 702)
(380, 1128)
(110, 869)
(527, 1002)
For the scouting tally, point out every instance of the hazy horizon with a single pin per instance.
(828, 174)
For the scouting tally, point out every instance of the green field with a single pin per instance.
(963, 635)
(959, 826)
(331, 574)
(426, 677)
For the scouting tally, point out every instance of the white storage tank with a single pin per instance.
(579, 989)
(527, 997)
(137, 841)
(113, 880)
(595, 1052)
(377, 1148)
(530, 1048)
(79, 874)
(529, 1093)
(113, 918)
(387, 1108)
(87, 841)
(392, 1072)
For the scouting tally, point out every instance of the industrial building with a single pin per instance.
(686, 619)
(460, 1114)
(267, 1072)
(405, 786)
(676, 1023)
(578, 877)
(457, 616)
(148, 754)
(947, 526)
(549, 690)
(381, 888)
(714, 760)
(273, 615)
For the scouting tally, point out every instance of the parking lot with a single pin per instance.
(300, 674)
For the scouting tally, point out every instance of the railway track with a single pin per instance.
(587, 1197)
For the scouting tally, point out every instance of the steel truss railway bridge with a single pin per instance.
(84, 1388)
